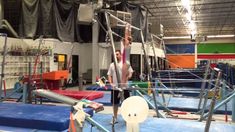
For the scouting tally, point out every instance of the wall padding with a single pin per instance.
(181, 61)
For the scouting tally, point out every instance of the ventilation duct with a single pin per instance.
(85, 14)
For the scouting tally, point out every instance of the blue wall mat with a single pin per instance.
(42, 117)
(180, 48)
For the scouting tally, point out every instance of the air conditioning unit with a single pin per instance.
(86, 11)
(85, 14)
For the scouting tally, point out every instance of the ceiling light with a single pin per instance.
(220, 36)
(209, 36)
(177, 37)
(186, 4)
(188, 16)
(190, 12)
(192, 25)
(193, 32)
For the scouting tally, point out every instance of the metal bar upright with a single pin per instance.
(209, 87)
(204, 106)
(233, 109)
(203, 85)
(217, 106)
(3, 62)
(107, 15)
(155, 56)
(227, 98)
(113, 46)
(149, 77)
(157, 66)
(211, 82)
(216, 93)
(29, 85)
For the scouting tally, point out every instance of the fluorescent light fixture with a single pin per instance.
(186, 4)
(193, 32)
(209, 36)
(192, 25)
(190, 12)
(177, 37)
(188, 16)
(220, 36)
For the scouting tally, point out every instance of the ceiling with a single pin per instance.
(211, 17)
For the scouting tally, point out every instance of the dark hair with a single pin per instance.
(118, 51)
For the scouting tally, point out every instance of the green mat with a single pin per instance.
(139, 83)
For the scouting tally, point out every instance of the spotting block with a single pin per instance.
(56, 75)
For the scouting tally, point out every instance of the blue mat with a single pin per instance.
(12, 94)
(98, 88)
(41, 117)
(18, 129)
(175, 103)
(108, 88)
(160, 125)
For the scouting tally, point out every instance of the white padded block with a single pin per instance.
(85, 13)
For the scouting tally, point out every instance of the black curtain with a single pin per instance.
(64, 20)
(50, 18)
(12, 13)
(103, 27)
(85, 33)
(29, 18)
(57, 19)
(46, 26)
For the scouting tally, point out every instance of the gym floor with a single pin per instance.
(173, 123)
